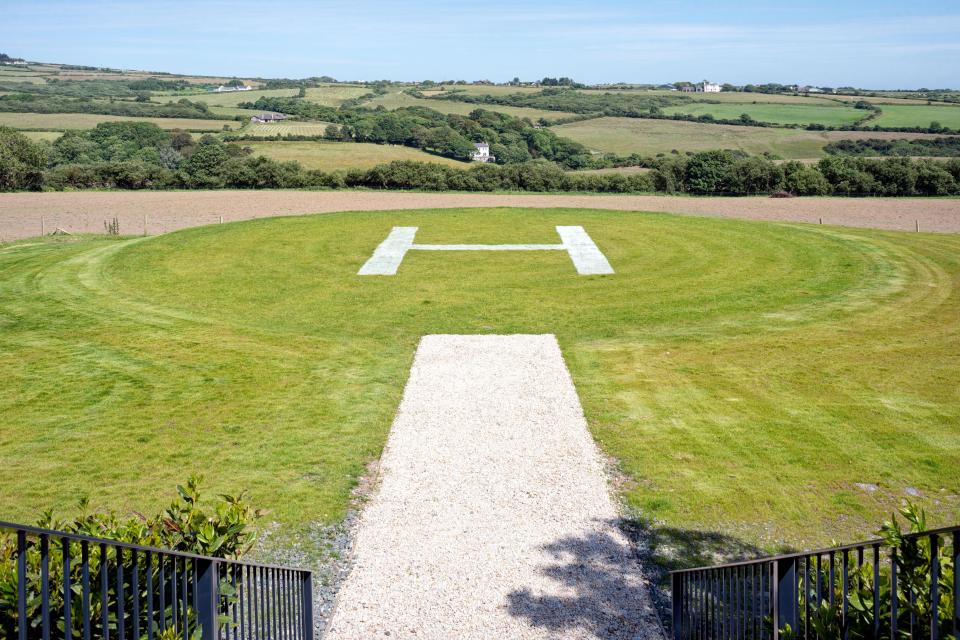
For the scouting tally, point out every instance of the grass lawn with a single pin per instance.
(745, 375)
(397, 99)
(825, 114)
(329, 156)
(918, 116)
(650, 137)
(64, 121)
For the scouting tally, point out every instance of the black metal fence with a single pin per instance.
(864, 590)
(73, 586)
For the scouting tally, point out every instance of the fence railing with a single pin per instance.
(864, 590)
(61, 585)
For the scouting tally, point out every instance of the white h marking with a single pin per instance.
(586, 256)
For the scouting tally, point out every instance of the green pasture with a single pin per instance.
(829, 115)
(650, 137)
(744, 376)
(918, 116)
(331, 156)
(234, 98)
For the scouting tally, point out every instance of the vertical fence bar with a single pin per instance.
(121, 628)
(148, 560)
(832, 585)
(894, 596)
(162, 589)
(184, 602)
(935, 588)
(67, 591)
(173, 592)
(845, 592)
(22, 585)
(135, 588)
(104, 589)
(806, 597)
(45, 585)
(207, 575)
(306, 590)
(677, 595)
(876, 591)
(85, 587)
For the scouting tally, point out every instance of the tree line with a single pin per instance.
(137, 155)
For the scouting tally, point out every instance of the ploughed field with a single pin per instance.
(780, 383)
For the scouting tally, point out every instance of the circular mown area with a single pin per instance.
(745, 376)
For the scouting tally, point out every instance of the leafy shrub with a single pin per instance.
(221, 528)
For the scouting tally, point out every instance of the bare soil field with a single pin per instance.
(24, 215)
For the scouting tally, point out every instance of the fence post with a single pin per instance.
(208, 598)
(784, 595)
(306, 594)
(676, 593)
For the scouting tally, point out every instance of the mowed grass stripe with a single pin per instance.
(745, 375)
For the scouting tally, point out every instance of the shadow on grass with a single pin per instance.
(618, 586)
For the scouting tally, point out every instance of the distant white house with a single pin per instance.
(225, 89)
(482, 153)
(708, 87)
(267, 118)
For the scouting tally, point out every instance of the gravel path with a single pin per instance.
(20, 213)
(493, 517)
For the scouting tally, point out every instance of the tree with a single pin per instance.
(21, 162)
(706, 171)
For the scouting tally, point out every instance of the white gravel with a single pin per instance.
(493, 517)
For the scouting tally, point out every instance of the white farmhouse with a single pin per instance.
(482, 153)
(709, 87)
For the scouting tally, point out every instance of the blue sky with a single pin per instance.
(876, 44)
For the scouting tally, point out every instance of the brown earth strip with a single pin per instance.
(23, 215)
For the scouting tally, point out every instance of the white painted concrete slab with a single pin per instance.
(492, 518)
(586, 256)
(387, 257)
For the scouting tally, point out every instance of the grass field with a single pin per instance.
(329, 156)
(64, 121)
(734, 97)
(334, 94)
(233, 98)
(650, 137)
(293, 128)
(918, 116)
(397, 99)
(745, 375)
(830, 115)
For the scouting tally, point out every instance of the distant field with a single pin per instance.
(229, 112)
(650, 137)
(489, 90)
(398, 99)
(333, 95)
(233, 98)
(829, 115)
(729, 97)
(63, 121)
(43, 135)
(918, 116)
(329, 156)
(293, 128)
